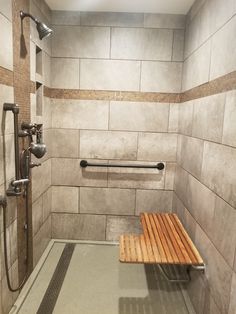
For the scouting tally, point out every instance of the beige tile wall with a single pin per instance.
(205, 181)
(205, 184)
(210, 42)
(115, 51)
(109, 132)
(101, 203)
(118, 51)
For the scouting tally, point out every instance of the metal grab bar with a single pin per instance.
(84, 164)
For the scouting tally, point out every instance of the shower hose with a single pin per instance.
(4, 206)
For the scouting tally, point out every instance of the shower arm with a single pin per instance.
(23, 15)
(15, 185)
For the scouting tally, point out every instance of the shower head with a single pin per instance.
(43, 30)
(38, 149)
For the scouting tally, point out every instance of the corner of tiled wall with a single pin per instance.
(205, 186)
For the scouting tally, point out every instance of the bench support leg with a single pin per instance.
(181, 280)
(175, 280)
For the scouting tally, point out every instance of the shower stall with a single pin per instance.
(125, 109)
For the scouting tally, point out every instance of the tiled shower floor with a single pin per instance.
(97, 283)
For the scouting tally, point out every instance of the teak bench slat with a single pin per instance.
(164, 241)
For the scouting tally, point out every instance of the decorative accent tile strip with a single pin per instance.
(113, 95)
(221, 84)
(6, 77)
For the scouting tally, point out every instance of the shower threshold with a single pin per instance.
(86, 277)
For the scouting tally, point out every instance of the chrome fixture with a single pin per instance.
(43, 30)
(38, 149)
(84, 164)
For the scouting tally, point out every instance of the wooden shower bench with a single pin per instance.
(164, 241)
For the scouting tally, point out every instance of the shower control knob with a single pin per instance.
(34, 164)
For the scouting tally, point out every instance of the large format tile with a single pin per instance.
(47, 204)
(65, 17)
(161, 76)
(82, 42)
(41, 179)
(47, 113)
(108, 145)
(80, 114)
(153, 201)
(121, 19)
(178, 45)
(218, 272)
(65, 171)
(118, 225)
(139, 116)
(157, 147)
(37, 214)
(208, 117)
(181, 184)
(131, 178)
(7, 159)
(218, 170)
(174, 118)
(223, 50)
(192, 35)
(229, 129)
(141, 44)
(67, 76)
(220, 12)
(41, 240)
(186, 118)
(78, 227)
(6, 8)
(46, 69)
(107, 201)
(64, 143)
(71, 174)
(172, 21)
(65, 199)
(210, 306)
(223, 230)
(170, 169)
(201, 203)
(196, 67)
(6, 51)
(191, 155)
(110, 75)
(197, 292)
(6, 118)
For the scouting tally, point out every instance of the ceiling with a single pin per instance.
(142, 6)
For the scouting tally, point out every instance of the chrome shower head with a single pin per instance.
(43, 30)
(38, 149)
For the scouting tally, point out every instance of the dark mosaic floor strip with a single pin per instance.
(50, 298)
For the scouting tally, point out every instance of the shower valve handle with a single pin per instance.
(34, 164)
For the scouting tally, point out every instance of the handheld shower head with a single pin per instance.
(43, 30)
(38, 149)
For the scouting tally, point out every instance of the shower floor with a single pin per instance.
(88, 278)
